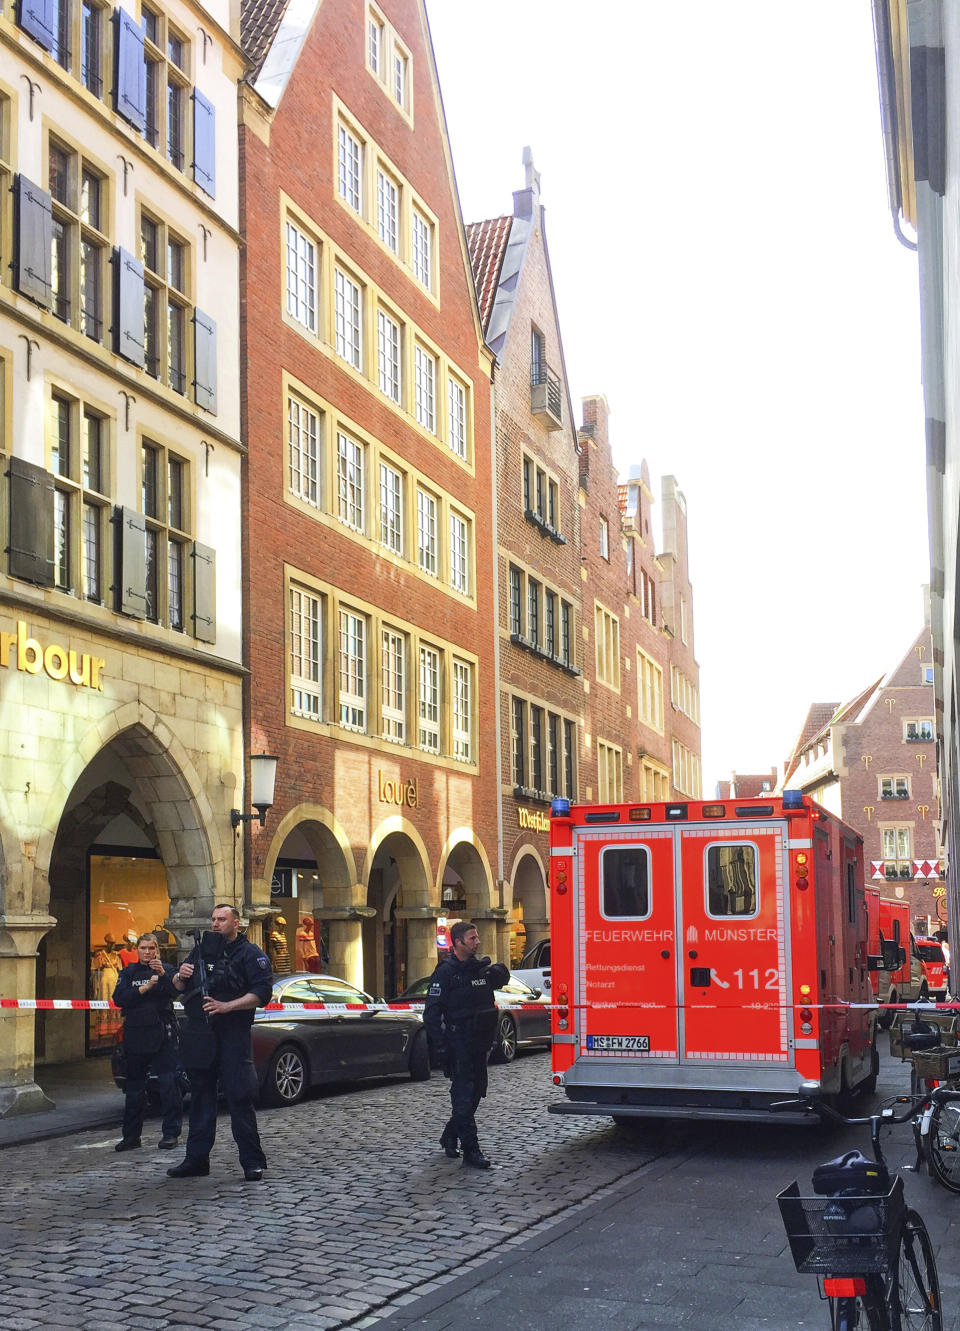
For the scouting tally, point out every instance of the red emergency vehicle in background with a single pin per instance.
(907, 982)
(707, 957)
(934, 965)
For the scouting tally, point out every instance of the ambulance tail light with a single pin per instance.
(801, 871)
(561, 881)
(806, 1020)
(563, 1012)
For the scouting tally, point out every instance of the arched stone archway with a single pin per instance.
(529, 897)
(466, 889)
(399, 931)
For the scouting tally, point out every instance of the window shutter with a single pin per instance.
(31, 523)
(204, 361)
(204, 143)
(128, 299)
(132, 562)
(33, 231)
(130, 82)
(36, 18)
(204, 593)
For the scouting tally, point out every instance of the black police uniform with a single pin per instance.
(460, 1015)
(149, 1042)
(242, 968)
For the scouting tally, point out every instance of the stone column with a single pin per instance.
(421, 942)
(346, 948)
(20, 936)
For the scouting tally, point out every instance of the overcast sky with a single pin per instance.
(727, 274)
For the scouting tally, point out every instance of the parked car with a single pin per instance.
(293, 1051)
(534, 968)
(524, 1021)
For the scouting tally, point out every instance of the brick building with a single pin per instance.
(641, 678)
(120, 615)
(872, 761)
(538, 548)
(367, 502)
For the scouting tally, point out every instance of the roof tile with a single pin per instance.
(487, 243)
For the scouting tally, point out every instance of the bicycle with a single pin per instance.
(872, 1252)
(936, 1126)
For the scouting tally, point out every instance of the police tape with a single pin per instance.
(103, 1004)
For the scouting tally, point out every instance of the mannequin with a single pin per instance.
(307, 954)
(277, 944)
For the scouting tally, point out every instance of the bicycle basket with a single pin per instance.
(843, 1236)
(941, 1064)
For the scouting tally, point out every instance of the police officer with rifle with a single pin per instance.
(460, 1015)
(223, 981)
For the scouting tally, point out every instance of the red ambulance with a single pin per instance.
(707, 957)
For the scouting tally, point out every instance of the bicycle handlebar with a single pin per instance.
(885, 1112)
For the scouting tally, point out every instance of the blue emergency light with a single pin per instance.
(560, 808)
(793, 799)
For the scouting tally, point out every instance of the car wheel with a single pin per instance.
(505, 1045)
(420, 1058)
(286, 1080)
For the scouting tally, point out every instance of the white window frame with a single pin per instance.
(301, 273)
(388, 210)
(421, 248)
(391, 508)
(462, 711)
(306, 654)
(348, 318)
(459, 554)
(604, 539)
(351, 487)
(393, 670)
(427, 507)
(352, 668)
(350, 168)
(425, 376)
(388, 356)
(303, 442)
(429, 700)
(457, 417)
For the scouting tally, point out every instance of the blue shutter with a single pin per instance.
(128, 301)
(33, 233)
(204, 361)
(37, 18)
(204, 148)
(130, 82)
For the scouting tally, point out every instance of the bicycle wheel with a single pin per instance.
(914, 1287)
(943, 1145)
(858, 1314)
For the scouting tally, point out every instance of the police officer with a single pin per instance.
(461, 1020)
(239, 981)
(145, 995)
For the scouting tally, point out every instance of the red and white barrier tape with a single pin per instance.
(102, 1004)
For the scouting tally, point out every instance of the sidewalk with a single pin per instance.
(84, 1096)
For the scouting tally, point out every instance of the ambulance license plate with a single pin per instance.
(611, 1043)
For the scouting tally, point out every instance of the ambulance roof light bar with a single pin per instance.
(560, 808)
(793, 799)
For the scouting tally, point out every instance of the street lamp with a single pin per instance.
(263, 774)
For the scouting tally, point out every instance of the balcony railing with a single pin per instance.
(545, 395)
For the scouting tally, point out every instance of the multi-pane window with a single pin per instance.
(301, 277)
(427, 532)
(649, 691)
(421, 244)
(425, 377)
(919, 730)
(303, 432)
(78, 461)
(429, 700)
(459, 558)
(457, 417)
(393, 685)
(897, 852)
(388, 210)
(648, 598)
(462, 712)
(607, 631)
(306, 657)
(536, 748)
(533, 611)
(654, 781)
(350, 168)
(165, 502)
(604, 538)
(91, 46)
(350, 482)
(387, 59)
(388, 355)
(164, 257)
(894, 787)
(569, 759)
(79, 245)
(550, 622)
(347, 318)
(686, 770)
(391, 508)
(554, 724)
(353, 671)
(518, 741)
(566, 635)
(516, 600)
(684, 695)
(609, 773)
(375, 44)
(541, 495)
(399, 78)
(167, 56)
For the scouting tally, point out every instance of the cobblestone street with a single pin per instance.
(359, 1209)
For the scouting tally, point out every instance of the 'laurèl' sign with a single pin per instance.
(20, 652)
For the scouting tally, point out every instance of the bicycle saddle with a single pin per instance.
(921, 1036)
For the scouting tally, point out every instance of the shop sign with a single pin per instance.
(939, 891)
(534, 819)
(28, 655)
(394, 791)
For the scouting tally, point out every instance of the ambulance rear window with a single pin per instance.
(731, 880)
(625, 883)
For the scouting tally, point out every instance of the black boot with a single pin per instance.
(449, 1142)
(190, 1169)
(475, 1157)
